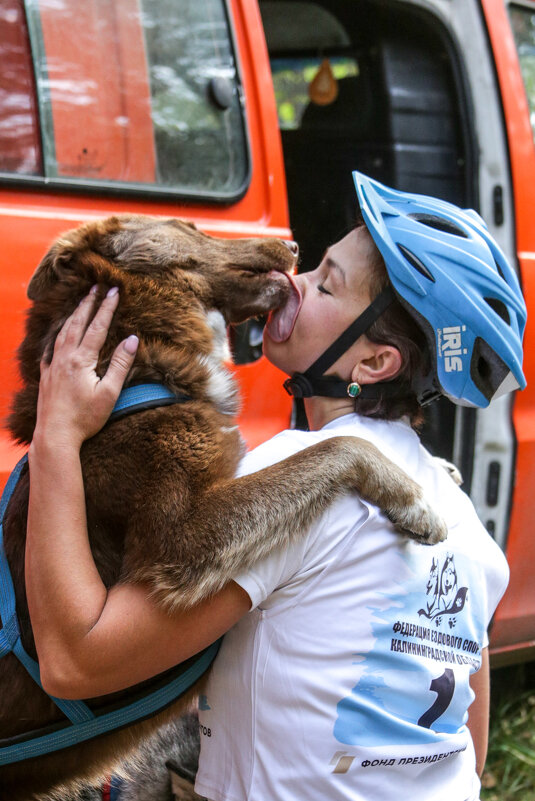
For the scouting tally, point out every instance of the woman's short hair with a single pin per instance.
(395, 327)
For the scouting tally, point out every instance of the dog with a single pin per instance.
(188, 528)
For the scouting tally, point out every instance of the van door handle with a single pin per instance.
(497, 204)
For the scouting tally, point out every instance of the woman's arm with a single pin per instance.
(478, 714)
(91, 641)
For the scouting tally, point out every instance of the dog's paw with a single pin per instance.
(450, 469)
(419, 521)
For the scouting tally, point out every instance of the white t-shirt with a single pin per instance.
(349, 679)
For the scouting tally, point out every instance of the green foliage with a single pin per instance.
(523, 25)
(510, 769)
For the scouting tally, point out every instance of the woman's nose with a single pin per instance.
(308, 277)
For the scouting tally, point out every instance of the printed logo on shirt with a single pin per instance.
(444, 597)
(342, 761)
(413, 680)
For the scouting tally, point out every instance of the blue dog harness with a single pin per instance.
(85, 723)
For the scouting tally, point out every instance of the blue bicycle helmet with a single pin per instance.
(454, 280)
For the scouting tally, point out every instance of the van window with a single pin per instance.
(20, 143)
(292, 78)
(136, 92)
(523, 25)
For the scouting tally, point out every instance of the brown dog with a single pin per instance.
(188, 526)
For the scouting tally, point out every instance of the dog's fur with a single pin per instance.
(163, 507)
(163, 768)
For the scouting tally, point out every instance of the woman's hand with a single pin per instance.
(74, 403)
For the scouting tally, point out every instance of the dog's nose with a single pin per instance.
(292, 246)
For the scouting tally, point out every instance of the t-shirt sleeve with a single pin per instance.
(276, 570)
(284, 572)
(287, 568)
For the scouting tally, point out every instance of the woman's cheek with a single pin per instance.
(275, 352)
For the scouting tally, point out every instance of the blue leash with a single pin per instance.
(84, 723)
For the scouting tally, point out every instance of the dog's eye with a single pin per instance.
(321, 288)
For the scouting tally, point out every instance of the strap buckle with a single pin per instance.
(299, 386)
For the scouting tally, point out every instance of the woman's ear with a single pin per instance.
(384, 364)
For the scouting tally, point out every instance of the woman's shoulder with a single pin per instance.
(274, 450)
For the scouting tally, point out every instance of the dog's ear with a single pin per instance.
(55, 265)
(80, 253)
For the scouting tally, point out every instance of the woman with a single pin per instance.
(344, 681)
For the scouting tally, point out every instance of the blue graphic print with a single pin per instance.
(414, 681)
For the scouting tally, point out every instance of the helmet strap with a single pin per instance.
(313, 381)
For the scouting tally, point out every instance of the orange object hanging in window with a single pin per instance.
(323, 89)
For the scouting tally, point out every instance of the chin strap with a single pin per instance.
(313, 382)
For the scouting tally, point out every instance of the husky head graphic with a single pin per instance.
(444, 597)
(448, 583)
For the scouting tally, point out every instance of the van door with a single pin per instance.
(413, 102)
(511, 28)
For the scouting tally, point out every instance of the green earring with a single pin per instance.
(354, 389)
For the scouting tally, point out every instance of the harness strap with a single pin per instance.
(10, 628)
(10, 641)
(9, 635)
(85, 724)
(75, 711)
(139, 397)
(139, 710)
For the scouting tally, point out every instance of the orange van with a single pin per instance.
(119, 106)
(237, 114)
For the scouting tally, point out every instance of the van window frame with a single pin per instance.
(528, 5)
(135, 190)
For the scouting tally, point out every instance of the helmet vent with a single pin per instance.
(500, 271)
(439, 224)
(483, 369)
(500, 309)
(370, 208)
(415, 262)
(486, 368)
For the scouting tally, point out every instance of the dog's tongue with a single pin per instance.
(281, 322)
